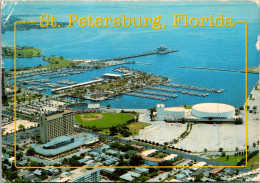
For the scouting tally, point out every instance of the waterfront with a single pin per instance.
(126, 131)
(106, 43)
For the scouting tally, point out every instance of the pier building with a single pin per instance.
(213, 110)
(163, 113)
(55, 124)
(111, 76)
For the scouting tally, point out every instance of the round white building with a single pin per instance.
(213, 110)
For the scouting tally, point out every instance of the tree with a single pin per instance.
(113, 131)
(220, 149)
(30, 151)
(227, 157)
(136, 160)
(239, 121)
(198, 177)
(108, 106)
(3, 150)
(205, 150)
(21, 127)
(255, 107)
(165, 163)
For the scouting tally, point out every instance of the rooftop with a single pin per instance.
(148, 152)
(213, 107)
(93, 106)
(80, 139)
(174, 109)
(112, 75)
(169, 157)
(201, 163)
(59, 112)
(160, 105)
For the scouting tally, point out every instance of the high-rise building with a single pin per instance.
(3, 84)
(55, 124)
(92, 176)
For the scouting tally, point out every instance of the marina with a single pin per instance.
(178, 91)
(147, 96)
(189, 87)
(158, 94)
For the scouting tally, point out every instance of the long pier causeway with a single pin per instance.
(160, 50)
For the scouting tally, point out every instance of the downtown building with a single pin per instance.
(55, 124)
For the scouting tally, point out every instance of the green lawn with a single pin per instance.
(57, 62)
(232, 159)
(253, 163)
(108, 120)
(30, 52)
(22, 53)
(136, 127)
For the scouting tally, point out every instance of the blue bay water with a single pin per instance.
(215, 47)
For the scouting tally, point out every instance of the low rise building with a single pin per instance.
(101, 148)
(163, 113)
(198, 165)
(62, 144)
(153, 161)
(92, 176)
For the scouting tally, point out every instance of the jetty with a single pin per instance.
(146, 96)
(207, 68)
(158, 94)
(160, 50)
(178, 91)
(190, 87)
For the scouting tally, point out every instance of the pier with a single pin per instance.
(178, 91)
(147, 96)
(160, 50)
(158, 94)
(189, 87)
(76, 85)
(214, 69)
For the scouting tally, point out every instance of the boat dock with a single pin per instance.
(159, 50)
(76, 85)
(158, 94)
(190, 87)
(178, 91)
(147, 96)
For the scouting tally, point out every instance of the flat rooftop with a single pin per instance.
(213, 107)
(80, 139)
(160, 105)
(180, 109)
(54, 113)
(112, 75)
(148, 152)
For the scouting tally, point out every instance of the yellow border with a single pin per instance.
(121, 166)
